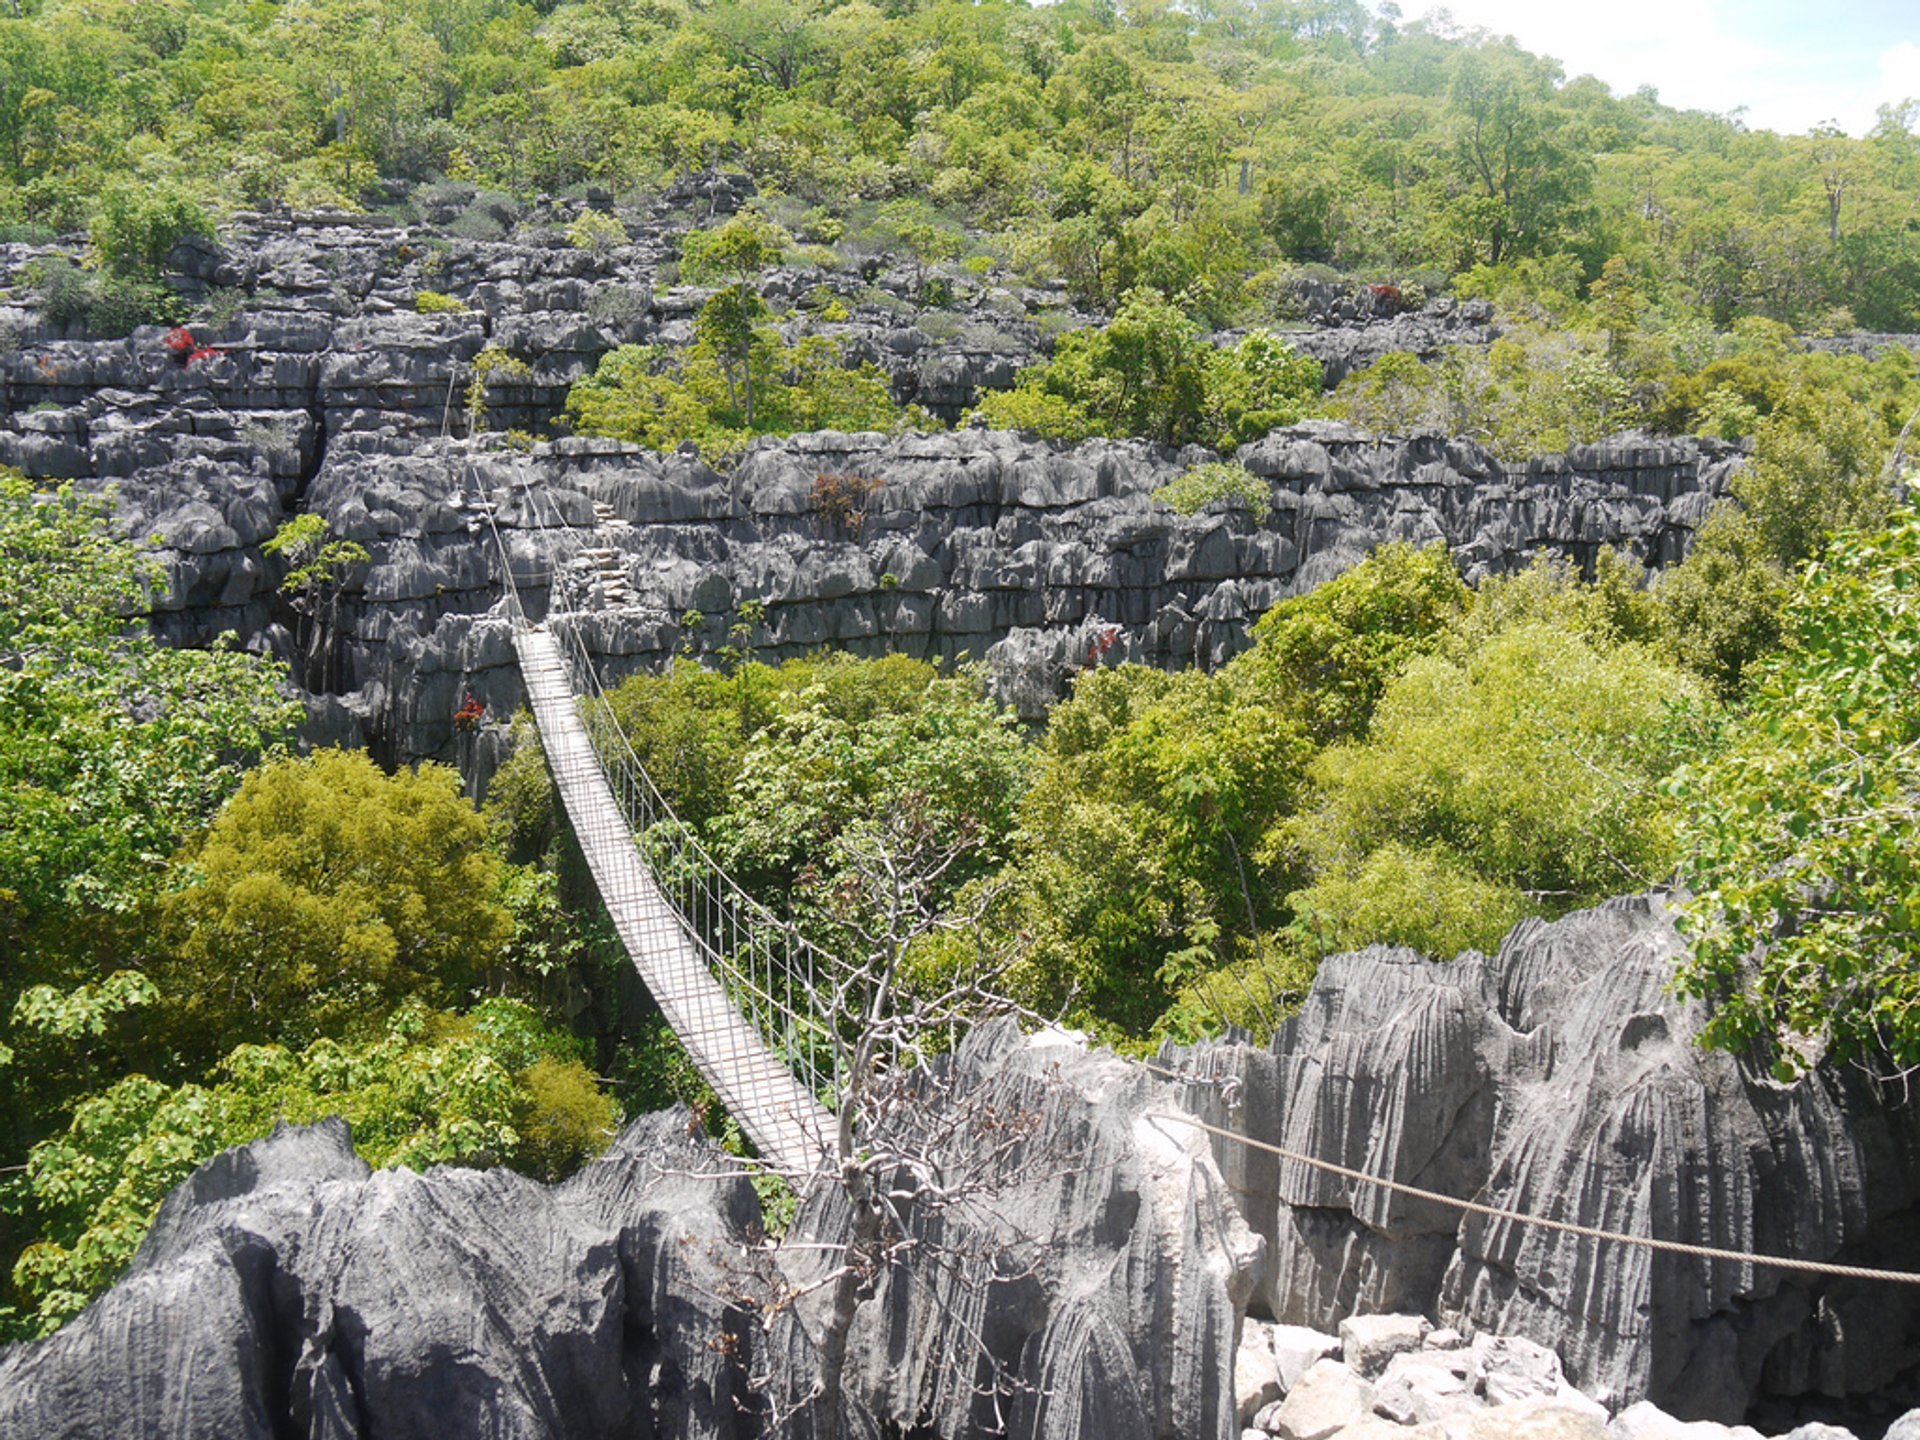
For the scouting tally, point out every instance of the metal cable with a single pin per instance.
(1518, 1217)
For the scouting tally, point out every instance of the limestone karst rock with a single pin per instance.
(1560, 1077)
(286, 1291)
(331, 393)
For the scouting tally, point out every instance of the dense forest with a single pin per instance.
(208, 930)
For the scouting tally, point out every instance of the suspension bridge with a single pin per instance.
(743, 991)
(751, 1000)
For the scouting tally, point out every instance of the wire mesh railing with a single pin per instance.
(780, 984)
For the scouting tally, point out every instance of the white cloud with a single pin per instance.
(1900, 73)
(1705, 55)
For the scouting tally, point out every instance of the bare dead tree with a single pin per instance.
(916, 1141)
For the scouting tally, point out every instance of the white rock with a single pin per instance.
(1368, 1342)
(1541, 1417)
(1445, 1338)
(1647, 1421)
(1814, 1430)
(1516, 1369)
(1374, 1428)
(1328, 1399)
(1296, 1350)
(1907, 1427)
(1423, 1386)
(1256, 1380)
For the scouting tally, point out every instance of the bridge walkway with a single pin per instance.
(788, 1125)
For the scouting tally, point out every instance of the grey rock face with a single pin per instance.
(285, 1291)
(1126, 1327)
(1351, 342)
(332, 394)
(1560, 1078)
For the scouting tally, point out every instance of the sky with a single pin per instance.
(1792, 64)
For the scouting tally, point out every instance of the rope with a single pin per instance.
(1567, 1227)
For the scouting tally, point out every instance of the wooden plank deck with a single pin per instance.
(788, 1125)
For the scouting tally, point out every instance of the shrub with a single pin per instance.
(597, 233)
(327, 893)
(1149, 373)
(564, 1119)
(1799, 833)
(1195, 489)
(136, 227)
(433, 302)
(1528, 764)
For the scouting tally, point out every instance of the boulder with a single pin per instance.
(1256, 1378)
(1328, 1399)
(1428, 1385)
(1296, 1350)
(1541, 1418)
(1368, 1342)
(1512, 1368)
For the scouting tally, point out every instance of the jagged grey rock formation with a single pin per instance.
(331, 393)
(1560, 1077)
(1351, 342)
(285, 1291)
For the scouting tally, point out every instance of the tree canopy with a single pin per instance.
(1800, 831)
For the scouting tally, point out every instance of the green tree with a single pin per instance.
(326, 893)
(1137, 871)
(1149, 373)
(1518, 169)
(1521, 775)
(736, 252)
(1799, 833)
(1327, 656)
(496, 1085)
(113, 750)
(821, 770)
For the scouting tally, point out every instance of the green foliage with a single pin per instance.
(1328, 655)
(112, 749)
(565, 1119)
(1148, 372)
(106, 305)
(1424, 897)
(325, 894)
(1180, 150)
(433, 302)
(1799, 833)
(736, 251)
(739, 379)
(315, 563)
(1137, 873)
(135, 227)
(596, 233)
(496, 1085)
(490, 367)
(839, 758)
(1193, 490)
(84, 1011)
(1521, 769)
